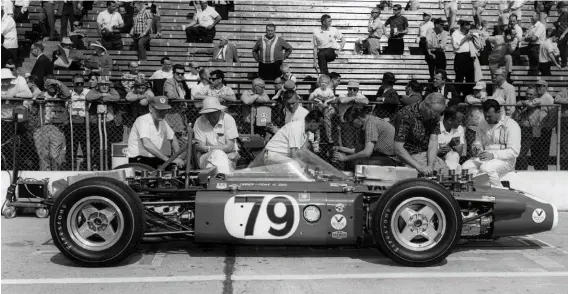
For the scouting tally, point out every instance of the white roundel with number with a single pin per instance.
(262, 217)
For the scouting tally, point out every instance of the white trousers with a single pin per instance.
(494, 168)
(452, 160)
(219, 159)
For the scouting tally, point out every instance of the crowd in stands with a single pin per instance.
(436, 125)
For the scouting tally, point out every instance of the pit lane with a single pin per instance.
(31, 263)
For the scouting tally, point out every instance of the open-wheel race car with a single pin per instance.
(100, 220)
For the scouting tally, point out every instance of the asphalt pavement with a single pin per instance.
(527, 264)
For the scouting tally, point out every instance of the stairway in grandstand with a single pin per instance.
(295, 21)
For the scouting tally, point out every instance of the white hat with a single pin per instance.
(98, 44)
(480, 86)
(66, 40)
(7, 74)
(211, 104)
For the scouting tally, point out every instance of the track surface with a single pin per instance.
(528, 264)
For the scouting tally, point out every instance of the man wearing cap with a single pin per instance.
(216, 133)
(101, 61)
(376, 31)
(291, 138)
(417, 127)
(249, 97)
(109, 23)
(439, 85)
(463, 61)
(284, 86)
(353, 97)
(128, 78)
(151, 137)
(434, 46)
(561, 32)
(326, 48)
(203, 24)
(504, 92)
(270, 51)
(398, 28)
(425, 25)
(43, 66)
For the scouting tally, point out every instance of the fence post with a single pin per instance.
(558, 134)
(251, 121)
(88, 135)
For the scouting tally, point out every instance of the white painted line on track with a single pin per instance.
(207, 278)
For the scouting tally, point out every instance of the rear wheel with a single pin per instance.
(417, 222)
(97, 221)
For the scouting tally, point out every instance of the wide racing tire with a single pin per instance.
(417, 223)
(97, 221)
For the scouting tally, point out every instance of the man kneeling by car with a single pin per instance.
(151, 136)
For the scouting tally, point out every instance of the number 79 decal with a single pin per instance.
(262, 217)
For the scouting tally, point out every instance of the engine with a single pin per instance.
(479, 224)
(455, 182)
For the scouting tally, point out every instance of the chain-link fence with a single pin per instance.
(75, 136)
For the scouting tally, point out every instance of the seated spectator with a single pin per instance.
(434, 46)
(202, 85)
(561, 32)
(217, 88)
(325, 40)
(224, 52)
(475, 115)
(10, 34)
(152, 140)
(417, 127)
(140, 93)
(10, 89)
(449, 92)
(141, 30)
(497, 144)
(65, 56)
(323, 95)
(353, 97)
(292, 137)
(249, 97)
(562, 99)
(127, 18)
(101, 61)
(128, 78)
(216, 132)
(109, 24)
(335, 81)
(202, 28)
(279, 88)
(376, 140)
(413, 93)
(19, 80)
(547, 54)
(398, 28)
(165, 72)
(286, 73)
(191, 77)
(223, 7)
(500, 55)
(508, 8)
(78, 35)
(504, 92)
(33, 82)
(451, 139)
(372, 45)
(517, 37)
(386, 93)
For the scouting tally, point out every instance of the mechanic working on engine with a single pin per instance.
(416, 134)
(291, 138)
(497, 144)
(376, 139)
(151, 138)
(216, 133)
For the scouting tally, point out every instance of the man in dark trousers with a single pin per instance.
(43, 65)
(462, 41)
(451, 96)
(398, 28)
(433, 46)
(69, 10)
(269, 51)
(326, 47)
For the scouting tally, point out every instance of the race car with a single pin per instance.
(416, 221)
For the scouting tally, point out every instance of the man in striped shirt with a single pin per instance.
(269, 51)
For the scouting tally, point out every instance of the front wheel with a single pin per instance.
(97, 221)
(417, 222)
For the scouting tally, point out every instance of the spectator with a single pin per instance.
(55, 90)
(270, 51)
(223, 8)
(141, 93)
(335, 81)
(478, 7)
(127, 18)
(417, 127)
(78, 102)
(497, 144)
(434, 46)
(224, 52)
(78, 35)
(109, 25)
(11, 89)
(353, 97)
(202, 28)
(547, 55)
(103, 114)
(372, 45)
(156, 19)
(165, 72)
(561, 32)
(386, 93)
(542, 8)
(475, 115)
(323, 95)
(326, 48)
(47, 20)
(376, 140)
(249, 97)
(535, 36)
(425, 25)
(100, 61)
(21, 10)
(439, 85)
(508, 8)
(562, 99)
(216, 132)
(513, 41)
(19, 80)
(69, 11)
(128, 78)
(43, 65)
(412, 5)
(279, 88)
(65, 56)
(33, 81)
(501, 53)
(10, 35)
(463, 60)
(286, 73)
(192, 76)
(514, 25)
(93, 80)
(140, 32)
(451, 139)
(6, 55)
(151, 137)
(413, 93)
(217, 88)
(202, 85)
(504, 93)
(398, 28)
(451, 9)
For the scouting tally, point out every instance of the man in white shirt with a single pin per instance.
(165, 72)
(425, 25)
(292, 137)
(10, 34)
(508, 8)
(504, 92)
(191, 77)
(151, 136)
(216, 133)
(546, 57)
(451, 139)
(203, 25)
(293, 109)
(109, 25)
(497, 144)
(535, 36)
(326, 48)
(463, 62)
(376, 31)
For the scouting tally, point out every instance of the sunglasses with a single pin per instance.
(180, 73)
(79, 84)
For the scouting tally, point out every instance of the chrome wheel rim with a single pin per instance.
(418, 224)
(95, 223)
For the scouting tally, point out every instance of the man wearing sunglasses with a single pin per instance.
(398, 28)
(175, 88)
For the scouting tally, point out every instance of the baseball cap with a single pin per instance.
(480, 86)
(289, 85)
(159, 102)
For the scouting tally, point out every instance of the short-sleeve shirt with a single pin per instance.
(445, 137)
(224, 91)
(144, 127)
(328, 38)
(140, 20)
(107, 20)
(399, 22)
(413, 130)
(292, 135)
(217, 135)
(381, 133)
(206, 17)
(323, 95)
